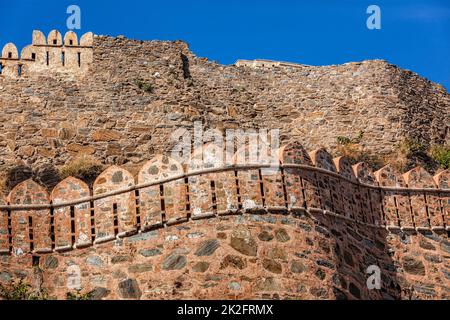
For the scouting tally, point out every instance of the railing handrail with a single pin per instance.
(215, 170)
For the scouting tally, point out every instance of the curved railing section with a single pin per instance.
(164, 193)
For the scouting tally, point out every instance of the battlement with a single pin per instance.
(265, 64)
(315, 218)
(48, 54)
(166, 193)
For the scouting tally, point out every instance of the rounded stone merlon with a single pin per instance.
(70, 39)
(344, 167)
(10, 51)
(419, 178)
(28, 192)
(161, 166)
(294, 153)
(54, 38)
(364, 173)
(87, 40)
(322, 159)
(27, 53)
(442, 179)
(39, 38)
(389, 177)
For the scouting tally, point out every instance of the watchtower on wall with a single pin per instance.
(48, 54)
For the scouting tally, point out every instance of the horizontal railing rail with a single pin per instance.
(9, 207)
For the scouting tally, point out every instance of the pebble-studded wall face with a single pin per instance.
(144, 243)
(167, 201)
(80, 232)
(4, 239)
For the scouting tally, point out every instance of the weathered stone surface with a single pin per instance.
(99, 293)
(201, 266)
(120, 259)
(326, 263)
(5, 277)
(106, 135)
(174, 261)
(265, 236)
(320, 293)
(150, 252)
(242, 241)
(129, 289)
(277, 253)
(234, 262)
(272, 266)
(320, 274)
(94, 261)
(297, 266)
(50, 262)
(267, 284)
(207, 248)
(282, 235)
(426, 289)
(140, 268)
(413, 266)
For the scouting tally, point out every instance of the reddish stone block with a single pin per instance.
(301, 184)
(249, 181)
(443, 182)
(4, 230)
(114, 215)
(425, 206)
(168, 199)
(397, 211)
(72, 189)
(329, 186)
(371, 198)
(31, 228)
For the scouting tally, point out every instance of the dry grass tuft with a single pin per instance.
(84, 167)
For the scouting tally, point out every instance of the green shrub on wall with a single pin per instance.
(353, 149)
(441, 154)
(19, 290)
(144, 86)
(77, 295)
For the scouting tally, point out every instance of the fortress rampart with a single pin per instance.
(53, 113)
(263, 63)
(159, 230)
(359, 213)
(48, 54)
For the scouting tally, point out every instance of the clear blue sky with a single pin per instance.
(415, 34)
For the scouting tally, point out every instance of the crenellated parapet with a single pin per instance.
(266, 64)
(48, 54)
(165, 192)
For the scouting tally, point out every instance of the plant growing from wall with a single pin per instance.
(411, 146)
(84, 167)
(352, 148)
(411, 152)
(19, 290)
(346, 140)
(77, 295)
(144, 86)
(441, 154)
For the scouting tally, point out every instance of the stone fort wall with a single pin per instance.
(156, 229)
(51, 114)
(307, 231)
